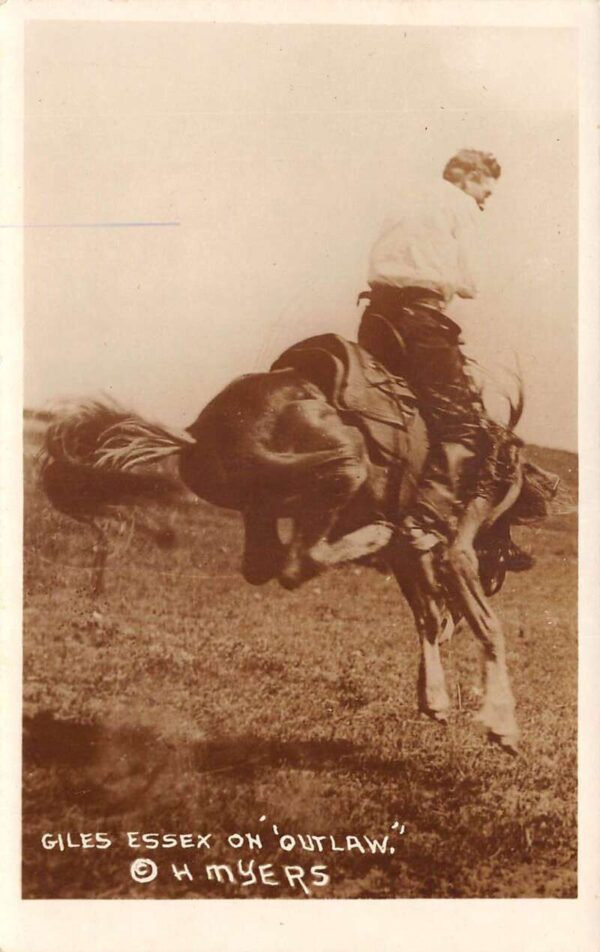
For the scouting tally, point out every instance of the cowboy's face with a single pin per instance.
(479, 187)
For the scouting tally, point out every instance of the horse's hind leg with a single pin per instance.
(309, 530)
(356, 545)
(263, 551)
(329, 487)
(498, 710)
(309, 551)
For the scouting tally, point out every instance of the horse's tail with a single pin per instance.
(89, 453)
(133, 442)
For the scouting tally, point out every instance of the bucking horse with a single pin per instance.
(329, 440)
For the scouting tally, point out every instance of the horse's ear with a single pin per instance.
(517, 406)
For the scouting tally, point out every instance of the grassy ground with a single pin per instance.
(188, 702)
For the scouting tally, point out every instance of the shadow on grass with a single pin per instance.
(94, 776)
(100, 760)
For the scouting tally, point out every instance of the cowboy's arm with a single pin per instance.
(466, 287)
(463, 233)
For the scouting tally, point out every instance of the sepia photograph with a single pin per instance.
(300, 460)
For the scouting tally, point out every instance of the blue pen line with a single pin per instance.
(105, 224)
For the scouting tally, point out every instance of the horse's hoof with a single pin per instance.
(258, 575)
(509, 743)
(499, 721)
(290, 582)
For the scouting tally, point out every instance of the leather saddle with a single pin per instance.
(362, 391)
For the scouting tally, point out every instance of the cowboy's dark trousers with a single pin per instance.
(434, 366)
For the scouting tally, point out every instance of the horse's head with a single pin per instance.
(542, 494)
(526, 492)
(522, 493)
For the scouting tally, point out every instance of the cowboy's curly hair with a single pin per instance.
(471, 160)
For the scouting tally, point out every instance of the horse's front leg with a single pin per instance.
(431, 623)
(432, 691)
(498, 710)
(473, 518)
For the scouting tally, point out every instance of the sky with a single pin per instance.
(270, 154)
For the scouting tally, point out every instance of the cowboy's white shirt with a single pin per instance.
(427, 243)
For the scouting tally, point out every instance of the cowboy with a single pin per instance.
(418, 264)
